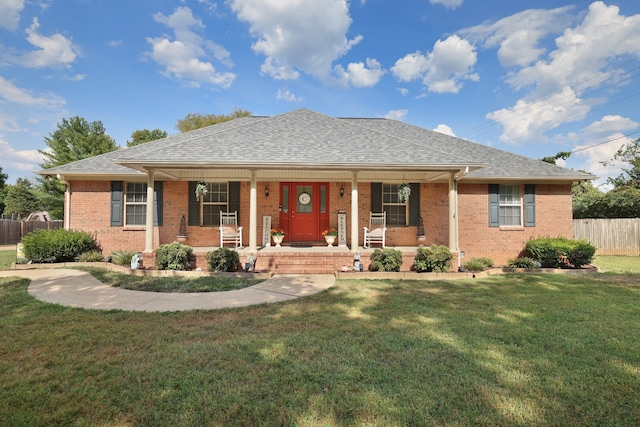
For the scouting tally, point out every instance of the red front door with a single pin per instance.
(304, 210)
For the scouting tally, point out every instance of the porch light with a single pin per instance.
(266, 191)
(341, 192)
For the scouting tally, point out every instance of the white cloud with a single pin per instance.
(403, 91)
(452, 4)
(187, 58)
(304, 36)
(443, 69)
(396, 114)
(359, 74)
(530, 118)
(610, 124)
(442, 128)
(518, 35)
(115, 43)
(53, 51)
(586, 56)
(285, 94)
(10, 13)
(593, 155)
(21, 160)
(16, 95)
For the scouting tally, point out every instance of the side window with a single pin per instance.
(506, 205)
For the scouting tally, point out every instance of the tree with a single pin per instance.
(564, 155)
(21, 199)
(197, 120)
(141, 136)
(629, 153)
(74, 139)
(3, 189)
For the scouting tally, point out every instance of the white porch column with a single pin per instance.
(67, 206)
(148, 237)
(453, 213)
(253, 214)
(355, 235)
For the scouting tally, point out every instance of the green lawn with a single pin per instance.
(618, 264)
(504, 350)
(6, 259)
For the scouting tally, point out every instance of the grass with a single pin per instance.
(618, 264)
(504, 350)
(7, 258)
(169, 284)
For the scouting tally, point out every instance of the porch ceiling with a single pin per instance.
(178, 174)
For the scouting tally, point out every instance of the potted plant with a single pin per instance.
(420, 232)
(330, 235)
(404, 191)
(201, 189)
(278, 235)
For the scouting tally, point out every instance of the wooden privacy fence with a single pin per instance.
(12, 231)
(617, 236)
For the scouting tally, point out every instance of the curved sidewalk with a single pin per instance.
(77, 288)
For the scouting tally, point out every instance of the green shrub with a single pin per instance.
(523, 262)
(554, 252)
(56, 245)
(223, 259)
(385, 260)
(478, 264)
(122, 257)
(435, 258)
(91, 256)
(173, 256)
(581, 253)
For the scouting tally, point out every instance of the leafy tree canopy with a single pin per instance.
(630, 154)
(196, 121)
(141, 136)
(76, 139)
(21, 199)
(564, 155)
(3, 189)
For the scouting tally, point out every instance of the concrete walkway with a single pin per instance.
(76, 288)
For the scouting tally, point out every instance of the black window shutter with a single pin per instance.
(116, 203)
(494, 205)
(157, 202)
(234, 197)
(194, 205)
(376, 197)
(414, 204)
(529, 205)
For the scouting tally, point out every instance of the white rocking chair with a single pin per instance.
(229, 230)
(377, 229)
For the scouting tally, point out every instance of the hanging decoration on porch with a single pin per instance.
(201, 189)
(404, 191)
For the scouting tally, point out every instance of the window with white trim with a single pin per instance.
(396, 211)
(510, 205)
(216, 200)
(135, 203)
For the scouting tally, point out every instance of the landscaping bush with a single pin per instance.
(554, 252)
(173, 256)
(56, 245)
(478, 264)
(385, 260)
(435, 258)
(223, 259)
(581, 253)
(122, 257)
(91, 256)
(523, 262)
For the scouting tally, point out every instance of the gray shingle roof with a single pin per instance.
(304, 137)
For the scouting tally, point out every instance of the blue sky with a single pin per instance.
(530, 77)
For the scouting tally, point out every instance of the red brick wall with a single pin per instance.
(90, 211)
(477, 239)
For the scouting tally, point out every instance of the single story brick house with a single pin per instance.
(303, 171)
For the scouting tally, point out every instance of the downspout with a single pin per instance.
(457, 177)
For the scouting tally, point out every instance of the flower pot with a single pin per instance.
(278, 239)
(330, 240)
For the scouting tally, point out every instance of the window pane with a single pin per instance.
(396, 214)
(136, 214)
(510, 215)
(211, 213)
